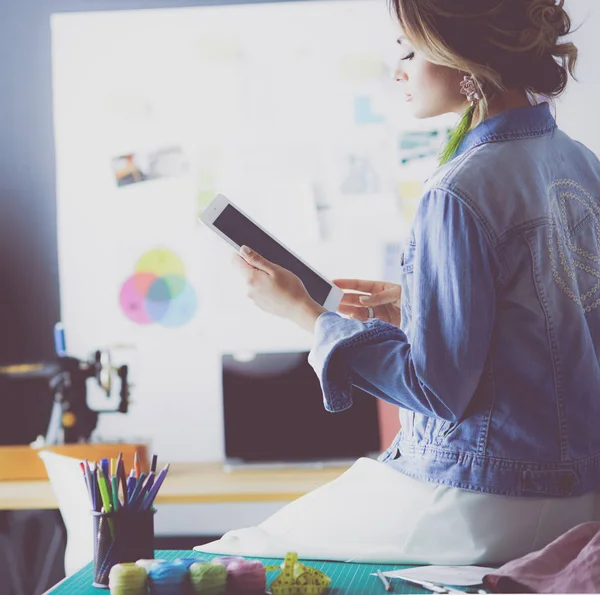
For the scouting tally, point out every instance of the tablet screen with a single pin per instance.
(244, 233)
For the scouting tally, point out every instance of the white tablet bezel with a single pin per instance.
(216, 207)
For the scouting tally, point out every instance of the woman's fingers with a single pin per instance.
(257, 261)
(382, 298)
(375, 295)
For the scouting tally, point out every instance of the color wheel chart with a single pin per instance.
(158, 291)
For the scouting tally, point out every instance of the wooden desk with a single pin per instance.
(193, 483)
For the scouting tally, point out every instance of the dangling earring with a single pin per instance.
(469, 87)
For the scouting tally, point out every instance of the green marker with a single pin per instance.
(105, 499)
(115, 492)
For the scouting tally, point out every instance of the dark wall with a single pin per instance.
(29, 292)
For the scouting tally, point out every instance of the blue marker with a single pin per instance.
(60, 345)
(131, 481)
(105, 467)
(142, 494)
(106, 470)
(139, 486)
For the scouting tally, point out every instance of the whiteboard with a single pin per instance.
(291, 110)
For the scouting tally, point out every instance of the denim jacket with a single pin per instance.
(495, 367)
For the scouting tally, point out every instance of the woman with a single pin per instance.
(490, 348)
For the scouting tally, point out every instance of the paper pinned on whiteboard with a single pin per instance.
(460, 576)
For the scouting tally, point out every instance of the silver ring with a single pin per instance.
(371, 312)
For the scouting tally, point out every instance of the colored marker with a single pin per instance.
(131, 484)
(105, 498)
(115, 492)
(149, 482)
(106, 471)
(138, 488)
(119, 461)
(136, 464)
(60, 345)
(91, 483)
(140, 498)
(102, 483)
(123, 480)
(87, 483)
(154, 490)
(97, 497)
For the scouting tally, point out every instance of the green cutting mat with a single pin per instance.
(346, 578)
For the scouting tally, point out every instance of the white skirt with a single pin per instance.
(373, 513)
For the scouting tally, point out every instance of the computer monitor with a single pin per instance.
(273, 413)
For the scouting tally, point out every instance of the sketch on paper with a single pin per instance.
(360, 177)
(158, 291)
(132, 168)
(420, 144)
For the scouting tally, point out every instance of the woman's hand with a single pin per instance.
(382, 296)
(276, 290)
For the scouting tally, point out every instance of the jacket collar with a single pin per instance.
(520, 122)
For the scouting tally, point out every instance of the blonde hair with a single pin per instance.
(501, 44)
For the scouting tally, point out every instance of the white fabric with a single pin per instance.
(373, 513)
(74, 505)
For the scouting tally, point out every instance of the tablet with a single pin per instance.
(235, 227)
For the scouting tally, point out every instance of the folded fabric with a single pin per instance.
(569, 564)
(372, 513)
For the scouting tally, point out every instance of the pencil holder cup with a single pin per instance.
(121, 536)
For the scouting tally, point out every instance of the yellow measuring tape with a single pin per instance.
(21, 368)
(297, 579)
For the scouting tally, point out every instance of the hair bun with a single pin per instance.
(548, 21)
(546, 11)
(549, 17)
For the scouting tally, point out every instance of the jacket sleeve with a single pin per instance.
(453, 301)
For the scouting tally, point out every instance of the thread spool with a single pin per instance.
(246, 576)
(207, 578)
(167, 578)
(188, 589)
(127, 579)
(226, 560)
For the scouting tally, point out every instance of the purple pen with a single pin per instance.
(131, 481)
(137, 504)
(97, 497)
(147, 503)
(149, 482)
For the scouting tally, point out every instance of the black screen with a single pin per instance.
(244, 233)
(273, 411)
